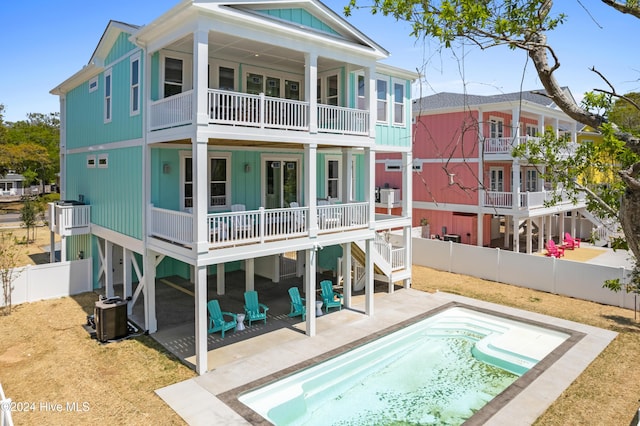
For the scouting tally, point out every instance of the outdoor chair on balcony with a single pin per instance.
(553, 250)
(327, 218)
(331, 299)
(217, 320)
(297, 304)
(241, 225)
(254, 310)
(570, 242)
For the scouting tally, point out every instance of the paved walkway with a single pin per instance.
(243, 365)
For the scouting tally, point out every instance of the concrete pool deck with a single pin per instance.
(235, 368)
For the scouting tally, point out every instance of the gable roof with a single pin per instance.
(448, 100)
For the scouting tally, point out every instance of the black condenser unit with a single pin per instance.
(110, 316)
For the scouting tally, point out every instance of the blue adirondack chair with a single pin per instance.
(254, 310)
(331, 299)
(216, 318)
(297, 304)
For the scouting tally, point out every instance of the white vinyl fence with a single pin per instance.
(50, 281)
(564, 277)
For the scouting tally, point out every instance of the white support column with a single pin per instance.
(310, 290)
(529, 236)
(507, 230)
(549, 227)
(310, 187)
(249, 272)
(407, 184)
(108, 269)
(311, 89)
(220, 279)
(561, 226)
(369, 277)
(201, 323)
(369, 184)
(149, 292)
(347, 175)
(370, 90)
(516, 234)
(201, 76)
(63, 249)
(346, 274)
(574, 216)
(200, 179)
(556, 127)
(52, 244)
(406, 234)
(541, 234)
(127, 275)
(541, 125)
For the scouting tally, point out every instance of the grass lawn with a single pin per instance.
(46, 356)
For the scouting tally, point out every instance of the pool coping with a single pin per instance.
(216, 392)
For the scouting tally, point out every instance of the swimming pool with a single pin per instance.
(437, 371)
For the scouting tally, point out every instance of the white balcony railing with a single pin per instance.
(394, 256)
(505, 145)
(257, 226)
(243, 109)
(69, 219)
(335, 119)
(528, 200)
(172, 111)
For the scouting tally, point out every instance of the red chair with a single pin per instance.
(571, 242)
(553, 250)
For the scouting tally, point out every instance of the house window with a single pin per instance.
(135, 85)
(292, 90)
(173, 76)
(91, 161)
(218, 182)
(381, 88)
(218, 176)
(93, 84)
(333, 179)
(254, 84)
(496, 127)
(362, 103)
(332, 90)
(417, 165)
(531, 182)
(393, 166)
(226, 78)
(103, 161)
(496, 180)
(107, 96)
(531, 130)
(398, 103)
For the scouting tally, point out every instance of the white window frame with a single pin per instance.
(108, 95)
(93, 84)
(187, 69)
(210, 155)
(361, 99)
(269, 73)
(327, 160)
(531, 180)
(214, 77)
(402, 122)
(103, 161)
(282, 158)
(496, 179)
(385, 80)
(134, 108)
(392, 165)
(496, 127)
(91, 161)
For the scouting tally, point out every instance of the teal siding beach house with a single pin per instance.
(223, 135)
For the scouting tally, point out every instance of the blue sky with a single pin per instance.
(46, 42)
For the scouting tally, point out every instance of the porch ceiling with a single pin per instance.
(232, 47)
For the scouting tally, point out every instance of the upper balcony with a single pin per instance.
(230, 229)
(529, 200)
(69, 218)
(502, 148)
(231, 108)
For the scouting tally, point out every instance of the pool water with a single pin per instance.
(439, 371)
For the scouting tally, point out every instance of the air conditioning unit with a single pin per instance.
(110, 316)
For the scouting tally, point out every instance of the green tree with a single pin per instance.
(9, 253)
(625, 114)
(29, 217)
(524, 25)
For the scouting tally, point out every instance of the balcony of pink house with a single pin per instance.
(229, 229)
(502, 148)
(532, 200)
